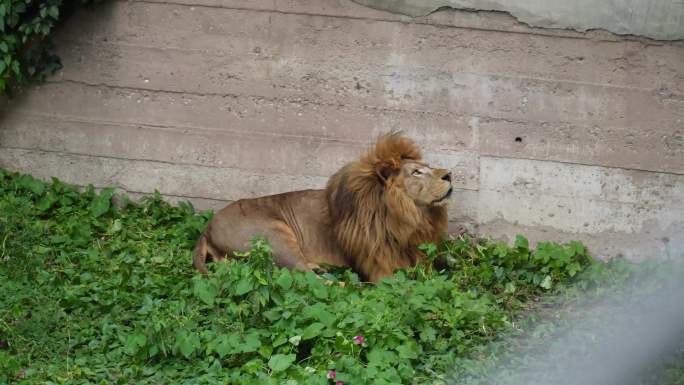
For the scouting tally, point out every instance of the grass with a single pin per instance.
(98, 294)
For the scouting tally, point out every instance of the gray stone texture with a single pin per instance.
(655, 19)
(554, 134)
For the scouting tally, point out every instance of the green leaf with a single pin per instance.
(318, 312)
(116, 226)
(430, 250)
(53, 11)
(37, 187)
(501, 250)
(279, 341)
(272, 315)
(312, 330)
(251, 343)
(226, 344)
(320, 292)
(4, 47)
(316, 285)
(284, 279)
(266, 351)
(546, 283)
(205, 290)
(134, 342)
(381, 358)
(16, 68)
(101, 203)
(573, 268)
(509, 288)
(260, 278)
(187, 343)
(522, 242)
(428, 334)
(280, 362)
(578, 248)
(295, 340)
(46, 201)
(409, 350)
(244, 286)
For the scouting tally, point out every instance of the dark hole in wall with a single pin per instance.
(518, 139)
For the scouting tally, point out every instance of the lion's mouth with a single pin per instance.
(445, 197)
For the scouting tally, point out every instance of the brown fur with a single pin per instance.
(372, 216)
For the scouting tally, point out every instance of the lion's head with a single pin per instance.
(386, 204)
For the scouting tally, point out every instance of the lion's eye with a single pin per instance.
(417, 172)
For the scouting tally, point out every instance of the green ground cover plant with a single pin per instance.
(97, 293)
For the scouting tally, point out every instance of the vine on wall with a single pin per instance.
(25, 48)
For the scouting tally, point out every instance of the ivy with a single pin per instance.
(25, 47)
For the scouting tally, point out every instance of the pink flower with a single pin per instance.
(339, 382)
(358, 340)
(331, 374)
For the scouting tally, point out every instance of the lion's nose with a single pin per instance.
(447, 177)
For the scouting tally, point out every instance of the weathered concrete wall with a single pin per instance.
(553, 134)
(656, 19)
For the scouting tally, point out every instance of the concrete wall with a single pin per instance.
(655, 19)
(552, 134)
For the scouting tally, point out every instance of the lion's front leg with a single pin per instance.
(379, 274)
(286, 249)
(384, 266)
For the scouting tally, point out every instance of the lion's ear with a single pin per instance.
(385, 171)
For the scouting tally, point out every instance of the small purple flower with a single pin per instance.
(331, 374)
(339, 382)
(358, 340)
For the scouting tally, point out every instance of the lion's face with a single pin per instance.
(427, 186)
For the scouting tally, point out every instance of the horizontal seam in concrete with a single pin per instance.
(141, 160)
(483, 74)
(225, 131)
(491, 119)
(294, 99)
(534, 31)
(63, 153)
(127, 191)
(212, 130)
(181, 129)
(550, 80)
(298, 99)
(581, 164)
(505, 190)
(171, 195)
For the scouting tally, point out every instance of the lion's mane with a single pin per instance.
(374, 222)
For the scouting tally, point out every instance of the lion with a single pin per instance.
(371, 217)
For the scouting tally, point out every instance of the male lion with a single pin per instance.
(371, 217)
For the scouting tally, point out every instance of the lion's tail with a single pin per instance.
(200, 252)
